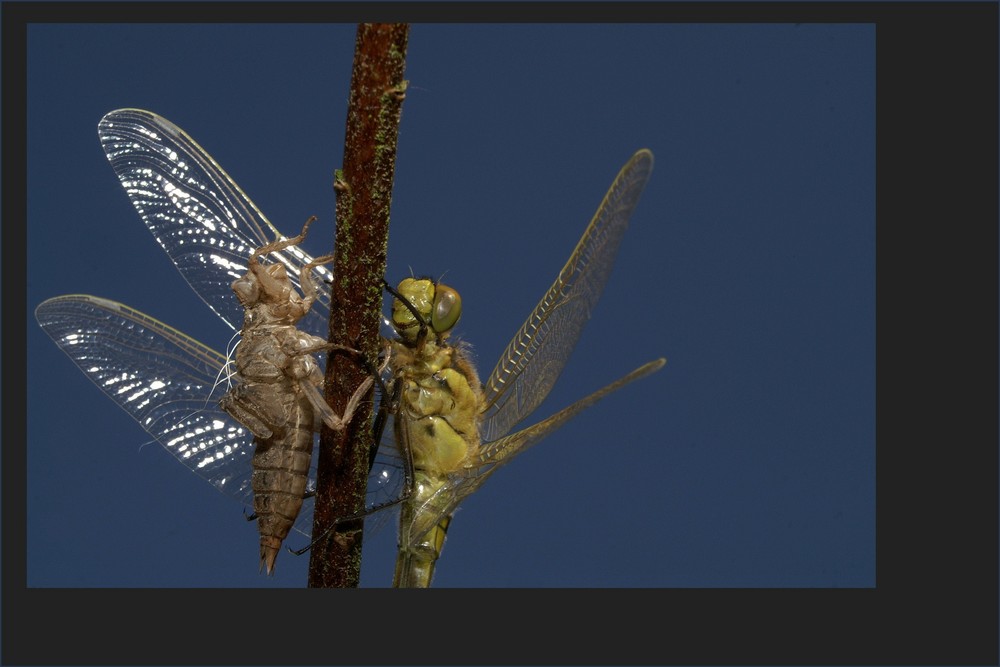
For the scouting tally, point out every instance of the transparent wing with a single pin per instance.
(167, 381)
(171, 384)
(197, 213)
(535, 357)
(387, 479)
(499, 452)
(386, 482)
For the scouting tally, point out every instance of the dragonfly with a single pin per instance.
(455, 430)
(170, 383)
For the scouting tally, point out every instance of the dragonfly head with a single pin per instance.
(428, 305)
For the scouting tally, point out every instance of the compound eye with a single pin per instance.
(447, 309)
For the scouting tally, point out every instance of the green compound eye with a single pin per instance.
(447, 309)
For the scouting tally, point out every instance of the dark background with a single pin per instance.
(748, 461)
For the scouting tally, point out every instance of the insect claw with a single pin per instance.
(299, 552)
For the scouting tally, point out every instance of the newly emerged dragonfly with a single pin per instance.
(455, 430)
(170, 383)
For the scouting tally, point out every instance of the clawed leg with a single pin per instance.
(310, 380)
(273, 280)
(325, 412)
(353, 517)
(281, 244)
(309, 288)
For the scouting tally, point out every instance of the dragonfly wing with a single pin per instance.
(535, 357)
(167, 381)
(197, 213)
(386, 482)
(498, 453)
(502, 450)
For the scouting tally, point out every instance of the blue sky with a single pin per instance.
(747, 461)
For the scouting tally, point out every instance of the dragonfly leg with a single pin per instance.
(309, 288)
(323, 409)
(310, 379)
(243, 403)
(281, 244)
(346, 519)
(408, 477)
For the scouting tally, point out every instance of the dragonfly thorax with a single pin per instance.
(441, 403)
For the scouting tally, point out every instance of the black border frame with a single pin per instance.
(936, 597)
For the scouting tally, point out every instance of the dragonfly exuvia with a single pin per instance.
(170, 383)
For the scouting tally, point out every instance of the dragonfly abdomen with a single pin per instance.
(417, 557)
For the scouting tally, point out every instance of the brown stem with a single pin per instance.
(363, 192)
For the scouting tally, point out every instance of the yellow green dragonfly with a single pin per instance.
(454, 431)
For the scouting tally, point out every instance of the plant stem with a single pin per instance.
(363, 196)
